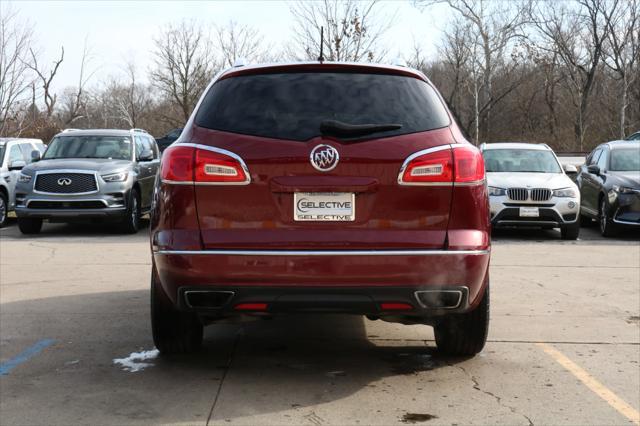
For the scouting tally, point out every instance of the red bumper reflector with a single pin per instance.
(251, 307)
(395, 306)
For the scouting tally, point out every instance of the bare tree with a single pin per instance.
(15, 81)
(46, 78)
(237, 42)
(622, 52)
(578, 37)
(183, 66)
(491, 32)
(74, 105)
(353, 30)
(131, 99)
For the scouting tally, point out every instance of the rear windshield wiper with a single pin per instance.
(339, 128)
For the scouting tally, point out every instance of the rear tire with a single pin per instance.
(4, 209)
(29, 226)
(571, 231)
(607, 228)
(174, 332)
(464, 334)
(131, 221)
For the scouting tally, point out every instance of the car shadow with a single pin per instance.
(73, 229)
(249, 368)
(587, 233)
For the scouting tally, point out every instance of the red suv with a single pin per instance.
(321, 188)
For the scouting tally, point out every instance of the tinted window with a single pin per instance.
(139, 146)
(625, 160)
(602, 161)
(115, 147)
(520, 160)
(292, 105)
(594, 157)
(149, 144)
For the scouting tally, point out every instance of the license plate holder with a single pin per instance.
(324, 206)
(529, 212)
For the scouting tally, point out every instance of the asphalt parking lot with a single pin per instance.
(75, 345)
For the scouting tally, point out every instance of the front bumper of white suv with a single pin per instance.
(533, 207)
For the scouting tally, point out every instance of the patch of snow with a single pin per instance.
(134, 362)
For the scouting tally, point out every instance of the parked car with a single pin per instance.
(168, 139)
(318, 188)
(529, 188)
(610, 186)
(15, 153)
(89, 175)
(634, 137)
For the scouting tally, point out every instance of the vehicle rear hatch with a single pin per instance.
(272, 122)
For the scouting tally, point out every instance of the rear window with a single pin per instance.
(292, 105)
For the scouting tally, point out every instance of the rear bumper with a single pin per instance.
(323, 281)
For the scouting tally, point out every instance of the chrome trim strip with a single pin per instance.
(52, 171)
(324, 252)
(471, 183)
(67, 201)
(441, 291)
(219, 151)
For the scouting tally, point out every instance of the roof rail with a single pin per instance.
(69, 130)
(545, 145)
(135, 129)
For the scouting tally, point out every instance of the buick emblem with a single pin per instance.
(324, 158)
(64, 181)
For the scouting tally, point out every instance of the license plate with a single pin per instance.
(529, 212)
(324, 206)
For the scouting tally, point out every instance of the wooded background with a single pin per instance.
(565, 73)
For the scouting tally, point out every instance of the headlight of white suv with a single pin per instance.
(623, 189)
(24, 178)
(565, 192)
(115, 177)
(496, 192)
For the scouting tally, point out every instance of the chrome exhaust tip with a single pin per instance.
(439, 299)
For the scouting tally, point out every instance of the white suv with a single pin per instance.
(15, 153)
(529, 188)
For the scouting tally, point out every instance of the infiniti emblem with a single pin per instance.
(64, 181)
(324, 158)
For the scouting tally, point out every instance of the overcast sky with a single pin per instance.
(117, 30)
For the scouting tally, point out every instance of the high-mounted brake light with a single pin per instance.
(202, 165)
(443, 165)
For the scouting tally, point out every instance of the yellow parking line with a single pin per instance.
(589, 381)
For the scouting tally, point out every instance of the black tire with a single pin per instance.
(571, 231)
(607, 228)
(29, 225)
(131, 221)
(464, 334)
(4, 209)
(174, 332)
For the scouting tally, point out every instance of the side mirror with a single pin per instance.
(593, 169)
(145, 155)
(17, 165)
(570, 169)
(36, 155)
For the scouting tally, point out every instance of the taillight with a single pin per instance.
(443, 165)
(204, 165)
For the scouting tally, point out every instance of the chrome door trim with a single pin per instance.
(323, 252)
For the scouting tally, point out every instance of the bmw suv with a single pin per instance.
(529, 188)
(96, 175)
(321, 188)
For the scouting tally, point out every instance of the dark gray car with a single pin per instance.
(89, 174)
